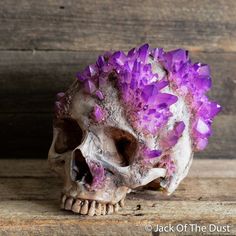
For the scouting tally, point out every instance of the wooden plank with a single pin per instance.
(218, 169)
(26, 135)
(40, 71)
(33, 168)
(29, 203)
(88, 25)
(48, 188)
(33, 78)
(31, 136)
(13, 168)
(44, 218)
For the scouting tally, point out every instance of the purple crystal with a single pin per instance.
(89, 86)
(99, 94)
(203, 70)
(132, 52)
(203, 79)
(203, 84)
(119, 57)
(194, 80)
(141, 90)
(157, 53)
(214, 109)
(201, 143)
(174, 59)
(173, 136)
(202, 127)
(136, 67)
(151, 153)
(80, 77)
(151, 111)
(98, 114)
(98, 173)
(100, 61)
(162, 84)
(144, 52)
(91, 70)
(154, 153)
(179, 128)
(60, 95)
(179, 55)
(102, 80)
(147, 92)
(209, 110)
(165, 98)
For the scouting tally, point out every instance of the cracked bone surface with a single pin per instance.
(129, 121)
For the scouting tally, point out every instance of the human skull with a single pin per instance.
(129, 121)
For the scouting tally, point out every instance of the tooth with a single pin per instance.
(103, 211)
(91, 211)
(69, 203)
(109, 209)
(77, 206)
(63, 199)
(98, 209)
(84, 208)
(116, 207)
(122, 202)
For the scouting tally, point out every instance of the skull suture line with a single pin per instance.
(128, 121)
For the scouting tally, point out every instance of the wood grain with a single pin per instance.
(32, 78)
(204, 189)
(29, 200)
(97, 25)
(29, 218)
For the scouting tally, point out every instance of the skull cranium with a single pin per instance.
(103, 151)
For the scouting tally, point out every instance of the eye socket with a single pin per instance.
(125, 143)
(70, 135)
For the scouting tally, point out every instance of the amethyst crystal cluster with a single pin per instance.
(143, 92)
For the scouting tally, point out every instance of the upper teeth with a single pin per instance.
(89, 207)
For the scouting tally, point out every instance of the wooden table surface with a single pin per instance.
(29, 202)
(44, 43)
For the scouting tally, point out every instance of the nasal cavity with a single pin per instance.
(80, 169)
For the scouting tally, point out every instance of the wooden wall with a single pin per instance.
(44, 43)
